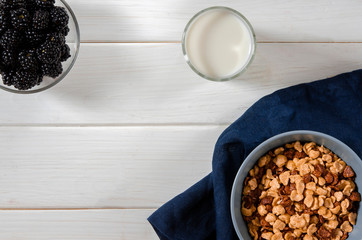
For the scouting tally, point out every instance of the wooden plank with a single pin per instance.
(124, 224)
(96, 167)
(152, 84)
(158, 20)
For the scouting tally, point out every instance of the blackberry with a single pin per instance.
(20, 18)
(51, 70)
(3, 20)
(41, 19)
(65, 53)
(59, 17)
(28, 60)
(8, 58)
(45, 3)
(31, 6)
(10, 39)
(64, 31)
(48, 53)
(24, 80)
(8, 77)
(56, 38)
(13, 4)
(34, 38)
(32, 41)
(2, 67)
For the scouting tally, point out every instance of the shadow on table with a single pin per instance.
(284, 64)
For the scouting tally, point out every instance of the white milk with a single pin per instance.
(218, 43)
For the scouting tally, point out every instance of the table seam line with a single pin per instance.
(178, 42)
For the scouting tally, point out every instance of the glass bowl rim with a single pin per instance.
(65, 73)
(248, 26)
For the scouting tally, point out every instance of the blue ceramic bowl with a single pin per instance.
(338, 147)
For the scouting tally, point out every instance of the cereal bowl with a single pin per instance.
(336, 146)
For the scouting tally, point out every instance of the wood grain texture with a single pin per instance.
(76, 225)
(132, 126)
(152, 84)
(159, 20)
(96, 167)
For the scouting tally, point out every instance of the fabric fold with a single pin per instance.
(332, 106)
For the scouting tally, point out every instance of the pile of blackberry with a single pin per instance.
(32, 41)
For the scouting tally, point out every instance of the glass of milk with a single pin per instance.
(218, 43)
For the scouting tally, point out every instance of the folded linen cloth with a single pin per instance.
(332, 106)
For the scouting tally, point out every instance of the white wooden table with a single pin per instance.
(132, 126)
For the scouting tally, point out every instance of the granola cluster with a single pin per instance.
(300, 191)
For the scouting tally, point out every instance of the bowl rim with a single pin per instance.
(251, 156)
(65, 73)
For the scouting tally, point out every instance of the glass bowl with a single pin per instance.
(73, 41)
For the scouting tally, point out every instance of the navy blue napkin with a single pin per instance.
(332, 106)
